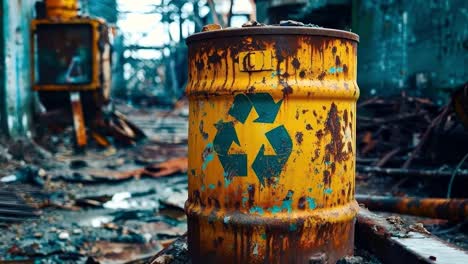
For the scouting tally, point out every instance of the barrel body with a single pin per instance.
(271, 145)
(61, 8)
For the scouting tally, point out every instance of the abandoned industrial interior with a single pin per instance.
(233, 131)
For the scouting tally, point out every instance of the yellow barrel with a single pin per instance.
(272, 145)
(61, 8)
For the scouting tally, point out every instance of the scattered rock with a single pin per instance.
(291, 23)
(42, 173)
(351, 260)
(163, 259)
(419, 227)
(115, 163)
(396, 221)
(253, 23)
(312, 25)
(64, 235)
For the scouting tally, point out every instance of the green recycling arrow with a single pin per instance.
(264, 166)
(263, 103)
(268, 166)
(236, 164)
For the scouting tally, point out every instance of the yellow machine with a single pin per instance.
(272, 145)
(71, 62)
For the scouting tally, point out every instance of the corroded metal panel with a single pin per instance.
(271, 145)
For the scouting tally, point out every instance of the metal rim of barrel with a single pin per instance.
(273, 30)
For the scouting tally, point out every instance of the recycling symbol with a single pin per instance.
(264, 166)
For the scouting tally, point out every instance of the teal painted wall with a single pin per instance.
(416, 46)
(15, 84)
(420, 46)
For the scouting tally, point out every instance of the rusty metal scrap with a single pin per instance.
(438, 122)
(167, 168)
(105, 128)
(390, 245)
(413, 140)
(409, 132)
(380, 122)
(78, 119)
(451, 209)
(423, 173)
(117, 126)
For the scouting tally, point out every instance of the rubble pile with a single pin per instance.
(413, 140)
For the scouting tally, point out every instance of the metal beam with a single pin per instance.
(392, 245)
(450, 209)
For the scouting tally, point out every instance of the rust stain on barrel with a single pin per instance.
(267, 158)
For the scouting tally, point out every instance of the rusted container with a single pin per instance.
(61, 8)
(272, 145)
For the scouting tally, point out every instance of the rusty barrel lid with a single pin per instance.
(273, 30)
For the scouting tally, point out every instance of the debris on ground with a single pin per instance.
(102, 205)
(112, 203)
(419, 227)
(108, 127)
(177, 253)
(402, 132)
(413, 145)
